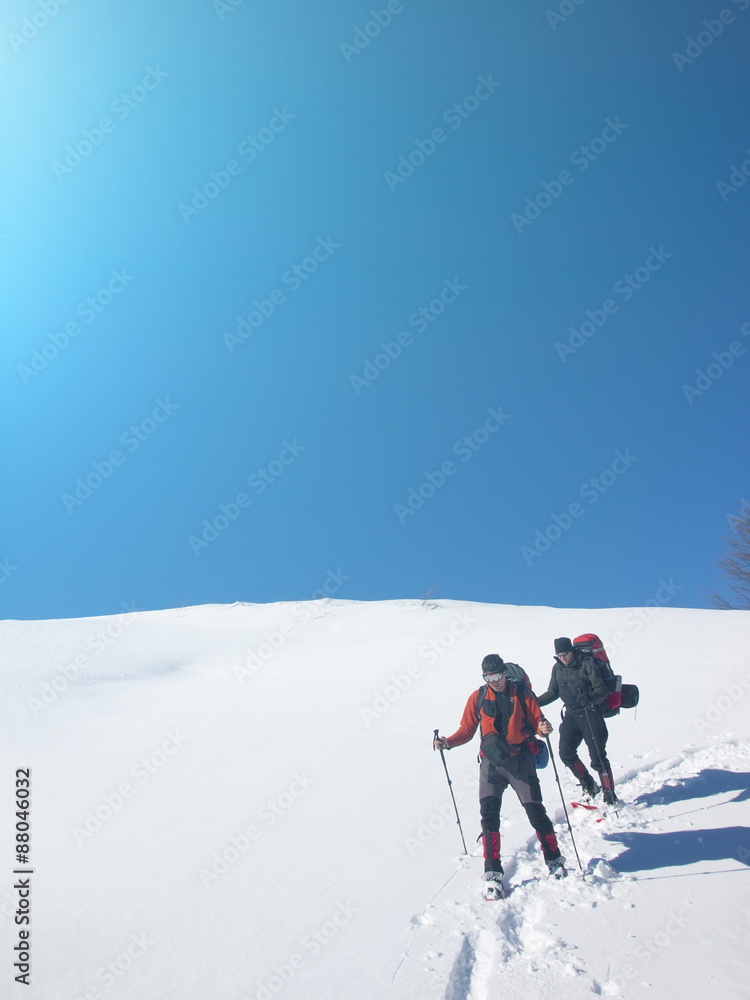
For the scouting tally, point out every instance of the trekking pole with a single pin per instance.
(598, 751)
(565, 808)
(450, 786)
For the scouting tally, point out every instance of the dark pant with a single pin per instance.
(520, 774)
(590, 728)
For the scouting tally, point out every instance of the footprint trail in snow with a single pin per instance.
(541, 939)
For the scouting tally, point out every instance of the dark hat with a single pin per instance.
(492, 663)
(563, 645)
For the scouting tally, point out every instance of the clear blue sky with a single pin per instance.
(543, 159)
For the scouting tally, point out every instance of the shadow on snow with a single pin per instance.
(459, 984)
(647, 851)
(709, 781)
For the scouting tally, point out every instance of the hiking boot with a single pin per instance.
(591, 789)
(609, 798)
(608, 784)
(493, 885)
(557, 868)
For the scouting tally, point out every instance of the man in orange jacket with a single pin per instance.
(508, 716)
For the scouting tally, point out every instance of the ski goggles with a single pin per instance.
(494, 676)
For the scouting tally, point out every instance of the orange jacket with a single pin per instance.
(516, 736)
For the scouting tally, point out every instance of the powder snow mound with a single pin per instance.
(242, 802)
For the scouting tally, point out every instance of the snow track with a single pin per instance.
(540, 937)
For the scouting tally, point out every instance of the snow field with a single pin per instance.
(243, 802)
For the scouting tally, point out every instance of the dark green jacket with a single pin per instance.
(579, 684)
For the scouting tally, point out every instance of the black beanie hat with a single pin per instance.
(563, 645)
(492, 663)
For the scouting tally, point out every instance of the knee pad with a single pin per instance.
(489, 811)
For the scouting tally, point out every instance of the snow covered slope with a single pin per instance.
(242, 802)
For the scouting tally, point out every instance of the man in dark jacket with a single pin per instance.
(507, 715)
(577, 680)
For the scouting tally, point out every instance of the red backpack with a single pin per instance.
(592, 644)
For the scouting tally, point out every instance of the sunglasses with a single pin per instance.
(494, 677)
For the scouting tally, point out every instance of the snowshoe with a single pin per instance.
(557, 867)
(493, 886)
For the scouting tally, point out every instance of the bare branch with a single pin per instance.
(735, 564)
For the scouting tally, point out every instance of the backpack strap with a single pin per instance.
(520, 689)
(481, 698)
